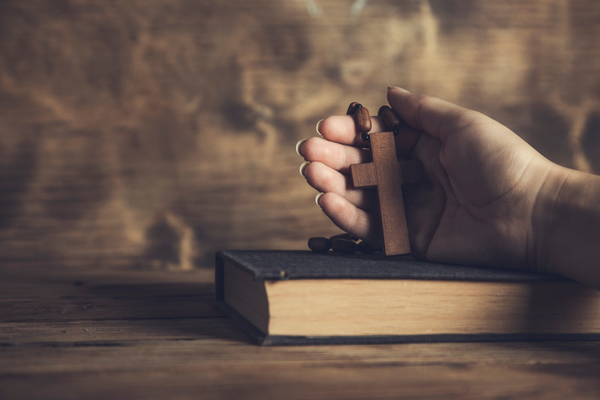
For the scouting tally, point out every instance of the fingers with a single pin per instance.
(332, 154)
(326, 180)
(342, 129)
(430, 114)
(349, 218)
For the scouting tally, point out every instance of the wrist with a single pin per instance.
(567, 226)
(545, 218)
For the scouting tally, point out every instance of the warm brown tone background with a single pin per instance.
(149, 134)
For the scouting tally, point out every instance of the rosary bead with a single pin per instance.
(352, 108)
(366, 248)
(344, 246)
(363, 119)
(319, 244)
(391, 120)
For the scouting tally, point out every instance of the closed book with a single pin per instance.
(303, 298)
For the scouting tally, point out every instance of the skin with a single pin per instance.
(488, 199)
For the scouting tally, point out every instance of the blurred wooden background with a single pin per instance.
(148, 134)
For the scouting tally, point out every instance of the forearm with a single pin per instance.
(568, 226)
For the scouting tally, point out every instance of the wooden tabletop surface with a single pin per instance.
(71, 334)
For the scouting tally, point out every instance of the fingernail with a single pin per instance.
(399, 88)
(319, 198)
(317, 128)
(298, 145)
(303, 167)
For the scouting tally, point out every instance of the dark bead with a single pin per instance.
(363, 120)
(390, 118)
(352, 108)
(344, 246)
(319, 244)
(366, 248)
(365, 136)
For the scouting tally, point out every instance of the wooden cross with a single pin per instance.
(388, 174)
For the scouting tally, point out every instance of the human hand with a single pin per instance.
(478, 200)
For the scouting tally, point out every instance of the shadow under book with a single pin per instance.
(301, 298)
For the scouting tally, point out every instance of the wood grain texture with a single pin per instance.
(150, 134)
(158, 352)
(388, 174)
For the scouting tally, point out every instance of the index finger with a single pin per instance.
(429, 114)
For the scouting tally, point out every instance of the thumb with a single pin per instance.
(430, 114)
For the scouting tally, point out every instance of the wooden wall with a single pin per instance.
(150, 133)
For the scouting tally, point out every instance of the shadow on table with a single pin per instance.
(567, 312)
(561, 308)
(180, 311)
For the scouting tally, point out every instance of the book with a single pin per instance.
(304, 298)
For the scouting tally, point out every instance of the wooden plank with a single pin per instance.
(64, 281)
(453, 381)
(76, 296)
(208, 344)
(75, 308)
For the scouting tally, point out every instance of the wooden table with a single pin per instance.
(158, 334)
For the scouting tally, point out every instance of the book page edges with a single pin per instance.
(416, 307)
(356, 307)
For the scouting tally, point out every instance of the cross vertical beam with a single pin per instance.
(388, 174)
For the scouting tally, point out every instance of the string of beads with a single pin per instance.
(390, 119)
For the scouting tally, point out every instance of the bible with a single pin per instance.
(303, 298)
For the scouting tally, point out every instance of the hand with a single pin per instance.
(477, 203)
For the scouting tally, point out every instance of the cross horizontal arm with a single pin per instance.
(363, 175)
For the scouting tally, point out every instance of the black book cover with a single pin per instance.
(283, 265)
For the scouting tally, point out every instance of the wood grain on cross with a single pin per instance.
(388, 174)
